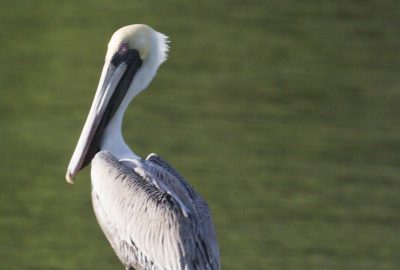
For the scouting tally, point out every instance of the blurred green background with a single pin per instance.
(284, 115)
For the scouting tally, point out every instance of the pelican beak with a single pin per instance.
(115, 80)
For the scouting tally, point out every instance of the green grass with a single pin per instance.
(284, 115)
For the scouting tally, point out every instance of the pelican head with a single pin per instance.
(134, 54)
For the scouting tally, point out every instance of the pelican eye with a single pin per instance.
(123, 48)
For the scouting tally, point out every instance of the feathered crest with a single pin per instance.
(163, 46)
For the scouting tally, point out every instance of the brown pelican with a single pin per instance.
(151, 216)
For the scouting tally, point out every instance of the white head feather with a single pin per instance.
(151, 45)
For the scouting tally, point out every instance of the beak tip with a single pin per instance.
(70, 178)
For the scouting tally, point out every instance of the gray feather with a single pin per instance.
(146, 225)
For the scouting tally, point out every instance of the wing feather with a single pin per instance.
(144, 221)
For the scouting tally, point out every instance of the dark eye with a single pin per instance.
(123, 48)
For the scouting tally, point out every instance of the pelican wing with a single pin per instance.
(151, 216)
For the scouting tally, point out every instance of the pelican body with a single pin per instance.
(151, 216)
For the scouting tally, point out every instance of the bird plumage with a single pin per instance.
(145, 224)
